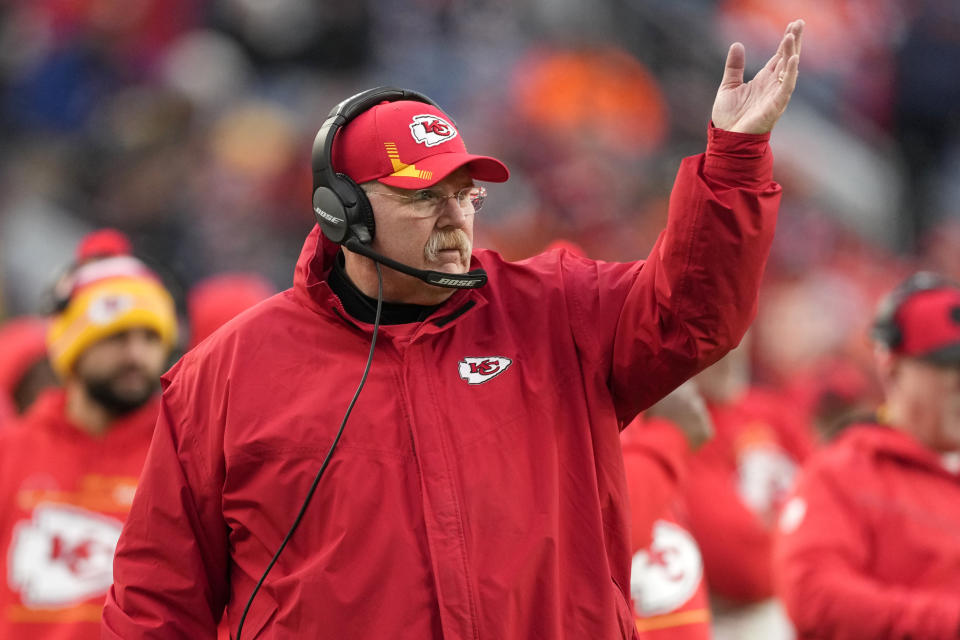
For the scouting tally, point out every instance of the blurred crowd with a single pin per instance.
(188, 125)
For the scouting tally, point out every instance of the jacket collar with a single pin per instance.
(889, 442)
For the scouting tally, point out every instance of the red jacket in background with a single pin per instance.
(734, 488)
(667, 588)
(869, 546)
(23, 343)
(478, 490)
(64, 496)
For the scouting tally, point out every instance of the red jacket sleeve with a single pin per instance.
(654, 324)
(819, 560)
(170, 567)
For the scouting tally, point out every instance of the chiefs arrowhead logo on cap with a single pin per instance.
(431, 130)
(479, 370)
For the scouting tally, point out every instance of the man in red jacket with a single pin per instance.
(69, 467)
(869, 545)
(478, 488)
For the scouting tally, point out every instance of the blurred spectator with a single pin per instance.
(215, 300)
(69, 467)
(734, 488)
(833, 394)
(24, 368)
(868, 546)
(667, 585)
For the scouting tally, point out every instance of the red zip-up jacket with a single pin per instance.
(869, 545)
(478, 491)
(64, 495)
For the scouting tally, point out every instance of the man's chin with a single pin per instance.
(451, 268)
(122, 398)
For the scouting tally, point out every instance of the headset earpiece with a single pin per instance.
(343, 210)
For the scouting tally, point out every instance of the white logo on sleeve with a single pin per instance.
(665, 575)
(792, 515)
(479, 370)
(62, 556)
(431, 130)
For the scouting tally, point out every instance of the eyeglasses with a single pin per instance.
(428, 202)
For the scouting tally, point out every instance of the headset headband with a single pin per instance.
(343, 113)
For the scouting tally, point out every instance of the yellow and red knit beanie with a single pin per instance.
(106, 292)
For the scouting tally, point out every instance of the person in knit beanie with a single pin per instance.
(69, 467)
(107, 292)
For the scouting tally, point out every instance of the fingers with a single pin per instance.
(733, 69)
(789, 44)
(796, 28)
(789, 64)
(790, 73)
(788, 49)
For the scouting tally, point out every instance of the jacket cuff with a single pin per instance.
(738, 159)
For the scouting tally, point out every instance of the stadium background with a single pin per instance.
(188, 125)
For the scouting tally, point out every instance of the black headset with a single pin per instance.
(341, 207)
(886, 329)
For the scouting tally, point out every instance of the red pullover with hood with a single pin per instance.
(64, 495)
(478, 491)
(868, 548)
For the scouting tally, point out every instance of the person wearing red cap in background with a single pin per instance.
(868, 547)
(733, 490)
(24, 368)
(69, 466)
(214, 301)
(478, 490)
(667, 585)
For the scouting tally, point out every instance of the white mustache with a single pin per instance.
(443, 239)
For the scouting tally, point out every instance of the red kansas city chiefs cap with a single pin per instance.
(409, 145)
(929, 322)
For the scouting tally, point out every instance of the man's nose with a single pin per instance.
(452, 214)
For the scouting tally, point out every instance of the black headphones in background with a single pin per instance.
(885, 329)
(341, 207)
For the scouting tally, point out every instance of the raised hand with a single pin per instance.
(755, 106)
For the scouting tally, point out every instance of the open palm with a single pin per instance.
(755, 106)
